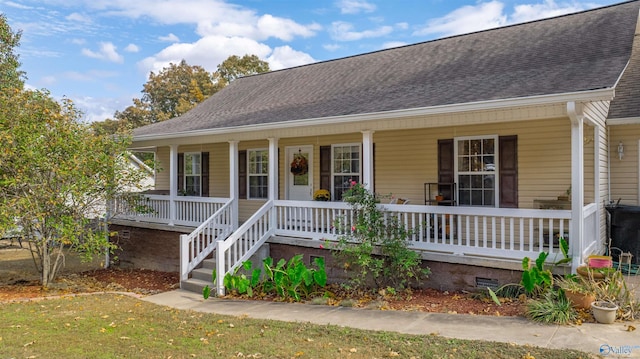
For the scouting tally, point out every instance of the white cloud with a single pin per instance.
(283, 29)
(355, 6)
(284, 57)
(343, 31)
(213, 17)
(207, 52)
(390, 44)
(107, 52)
(96, 109)
(78, 17)
(78, 41)
(91, 75)
(169, 38)
(549, 8)
(17, 6)
(331, 47)
(259, 28)
(132, 48)
(491, 14)
(467, 19)
(402, 25)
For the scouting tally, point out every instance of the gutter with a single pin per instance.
(580, 96)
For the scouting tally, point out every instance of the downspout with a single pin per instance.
(576, 116)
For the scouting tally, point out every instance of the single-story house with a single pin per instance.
(501, 140)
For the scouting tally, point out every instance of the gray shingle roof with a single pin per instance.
(571, 53)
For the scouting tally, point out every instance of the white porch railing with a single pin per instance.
(189, 211)
(483, 232)
(243, 243)
(197, 245)
(591, 232)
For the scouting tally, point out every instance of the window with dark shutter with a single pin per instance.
(508, 148)
(180, 174)
(242, 174)
(475, 168)
(205, 174)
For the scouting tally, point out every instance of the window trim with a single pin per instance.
(334, 174)
(495, 173)
(185, 175)
(249, 174)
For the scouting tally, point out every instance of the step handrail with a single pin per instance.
(237, 248)
(197, 245)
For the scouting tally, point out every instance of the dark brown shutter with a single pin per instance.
(180, 173)
(325, 167)
(205, 174)
(242, 174)
(445, 167)
(508, 169)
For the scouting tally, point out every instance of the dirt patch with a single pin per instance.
(19, 280)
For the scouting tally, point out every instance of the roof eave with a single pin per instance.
(605, 94)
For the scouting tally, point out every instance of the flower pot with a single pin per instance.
(604, 312)
(580, 300)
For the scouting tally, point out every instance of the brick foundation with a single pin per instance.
(146, 248)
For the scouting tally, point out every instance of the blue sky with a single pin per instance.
(99, 53)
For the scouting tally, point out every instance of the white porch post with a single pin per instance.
(367, 160)
(173, 182)
(273, 178)
(597, 198)
(273, 168)
(576, 244)
(234, 190)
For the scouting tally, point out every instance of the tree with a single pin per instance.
(56, 174)
(235, 67)
(56, 177)
(10, 74)
(177, 89)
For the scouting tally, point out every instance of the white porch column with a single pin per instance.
(173, 182)
(273, 168)
(576, 244)
(367, 160)
(234, 190)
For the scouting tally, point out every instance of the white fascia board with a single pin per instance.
(623, 121)
(581, 96)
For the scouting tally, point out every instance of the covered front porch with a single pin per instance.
(498, 235)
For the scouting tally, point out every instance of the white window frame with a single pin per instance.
(334, 174)
(495, 173)
(253, 175)
(197, 175)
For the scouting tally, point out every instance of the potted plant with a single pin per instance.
(321, 195)
(605, 312)
(578, 290)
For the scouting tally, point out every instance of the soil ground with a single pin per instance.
(19, 280)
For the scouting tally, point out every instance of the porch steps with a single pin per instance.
(202, 276)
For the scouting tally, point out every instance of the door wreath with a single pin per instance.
(299, 165)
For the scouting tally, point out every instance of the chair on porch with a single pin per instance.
(399, 200)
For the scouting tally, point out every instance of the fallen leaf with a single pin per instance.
(630, 328)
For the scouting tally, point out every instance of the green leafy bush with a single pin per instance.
(287, 279)
(375, 247)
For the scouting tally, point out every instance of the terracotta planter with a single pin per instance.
(604, 312)
(580, 300)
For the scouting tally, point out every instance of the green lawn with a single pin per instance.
(116, 326)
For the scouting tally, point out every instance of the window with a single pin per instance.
(346, 167)
(258, 173)
(193, 174)
(476, 171)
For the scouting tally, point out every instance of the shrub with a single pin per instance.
(375, 245)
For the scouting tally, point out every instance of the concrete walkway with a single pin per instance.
(603, 339)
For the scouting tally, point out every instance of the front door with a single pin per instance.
(299, 173)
